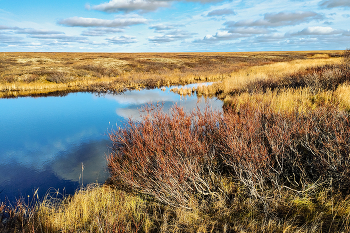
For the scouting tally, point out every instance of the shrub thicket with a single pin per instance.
(176, 156)
(282, 162)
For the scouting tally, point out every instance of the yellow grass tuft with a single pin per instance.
(95, 209)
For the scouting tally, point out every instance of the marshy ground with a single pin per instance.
(35, 74)
(275, 160)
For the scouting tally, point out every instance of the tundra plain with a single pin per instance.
(275, 160)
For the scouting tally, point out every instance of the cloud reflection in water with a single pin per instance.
(45, 140)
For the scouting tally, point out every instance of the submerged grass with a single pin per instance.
(276, 160)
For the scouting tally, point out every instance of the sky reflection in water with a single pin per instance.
(45, 140)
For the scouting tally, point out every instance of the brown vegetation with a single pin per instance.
(23, 74)
(205, 161)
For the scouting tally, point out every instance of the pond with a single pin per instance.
(45, 141)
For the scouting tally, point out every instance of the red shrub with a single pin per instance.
(169, 156)
(176, 156)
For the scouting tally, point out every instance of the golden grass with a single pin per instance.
(23, 74)
(95, 209)
(26, 89)
(104, 209)
(290, 99)
(343, 95)
(275, 71)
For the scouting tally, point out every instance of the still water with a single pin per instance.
(45, 141)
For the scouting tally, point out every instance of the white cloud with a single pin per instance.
(318, 31)
(250, 30)
(122, 39)
(37, 31)
(233, 34)
(93, 22)
(221, 12)
(138, 5)
(272, 38)
(130, 5)
(223, 34)
(219, 36)
(62, 38)
(161, 27)
(278, 19)
(335, 3)
(5, 39)
(3, 27)
(171, 36)
(101, 31)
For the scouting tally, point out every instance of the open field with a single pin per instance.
(31, 74)
(275, 160)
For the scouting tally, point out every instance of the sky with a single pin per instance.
(173, 25)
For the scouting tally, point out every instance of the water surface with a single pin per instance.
(45, 141)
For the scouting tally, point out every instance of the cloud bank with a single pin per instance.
(221, 12)
(335, 3)
(93, 22)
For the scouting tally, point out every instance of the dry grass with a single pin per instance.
(23, 74)
(303, 99)
(272, 72)
(95, 209)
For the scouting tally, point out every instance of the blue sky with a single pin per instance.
(173, 25)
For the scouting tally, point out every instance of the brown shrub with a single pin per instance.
(346, 55)
(324, 78)
(99, 70)
(167, 156)
(175, 157)
(32, 78)
(287, 150)
(10, 78)
(58, 77)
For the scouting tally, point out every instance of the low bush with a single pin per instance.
(58, 77)
(175, 156)
(193, 161)
(170, 157)
(99, 70)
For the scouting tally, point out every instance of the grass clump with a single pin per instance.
(95, 209)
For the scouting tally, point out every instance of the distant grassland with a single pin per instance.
(31, 74)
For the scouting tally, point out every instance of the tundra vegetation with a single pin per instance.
(275, 160)
(35, 74)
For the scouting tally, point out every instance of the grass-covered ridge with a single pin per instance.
(275, 160)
